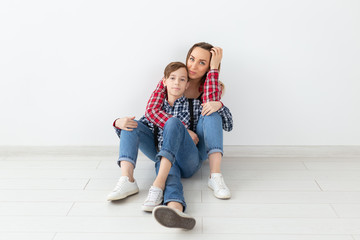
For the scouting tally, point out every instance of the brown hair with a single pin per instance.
(205, 46)
(172, 67)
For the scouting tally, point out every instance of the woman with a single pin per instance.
(203, 63)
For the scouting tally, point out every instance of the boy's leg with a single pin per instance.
(156, 191)
(172, 190)
(171, 215)
(210, 133)
(178, 146)
(130, 141)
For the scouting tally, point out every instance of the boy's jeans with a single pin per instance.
(178, 147)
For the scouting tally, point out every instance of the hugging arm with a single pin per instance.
(154, 112)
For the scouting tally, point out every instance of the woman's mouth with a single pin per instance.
(192, 73)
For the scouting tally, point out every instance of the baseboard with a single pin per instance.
(229, 151)
(291, 151)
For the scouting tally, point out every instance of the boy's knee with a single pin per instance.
(173, 122)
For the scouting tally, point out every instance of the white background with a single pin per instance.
(69, 68)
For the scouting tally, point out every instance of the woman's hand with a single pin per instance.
(216, 56)
(194, 136)
(126, 123)
(210, 107)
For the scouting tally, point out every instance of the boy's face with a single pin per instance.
(177, 82)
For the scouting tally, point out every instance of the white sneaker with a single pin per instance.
(154, 199)
(173, 218)
(217, 184)
(123, 189)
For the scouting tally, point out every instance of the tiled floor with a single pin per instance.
(60, 194)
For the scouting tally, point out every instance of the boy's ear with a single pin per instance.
(164, 81)
(187, 85)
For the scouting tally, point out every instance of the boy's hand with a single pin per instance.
(216, 56)
(210, 107)
(194, 136)
(126, 123)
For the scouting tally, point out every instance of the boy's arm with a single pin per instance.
(154, 112)
(227, 121)
(212, 88)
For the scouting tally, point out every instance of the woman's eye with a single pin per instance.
(202, 63)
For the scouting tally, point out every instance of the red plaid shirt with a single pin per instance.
(155, 114)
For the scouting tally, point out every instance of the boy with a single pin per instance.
(178, 156)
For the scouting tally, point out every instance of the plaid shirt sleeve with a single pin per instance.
(227, 121)
(212, 88)
(154, 112)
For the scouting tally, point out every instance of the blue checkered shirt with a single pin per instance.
(181, 110)
(224, 112)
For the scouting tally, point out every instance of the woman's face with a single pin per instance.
(198, 63)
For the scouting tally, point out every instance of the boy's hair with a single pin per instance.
(172, 67)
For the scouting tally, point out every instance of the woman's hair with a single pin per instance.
(172, 67)
(208, 47)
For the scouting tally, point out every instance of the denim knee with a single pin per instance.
(172, 123)
(213, 117)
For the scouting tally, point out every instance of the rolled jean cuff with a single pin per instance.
(167, 154)
(215, 150)
(127, 159)
(176, 200)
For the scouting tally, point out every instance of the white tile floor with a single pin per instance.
(60, 194)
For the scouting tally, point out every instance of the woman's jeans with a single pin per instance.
(178, 147)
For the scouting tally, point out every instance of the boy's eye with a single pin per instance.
(202, 63)
(183, 79)
(192, 59)
(172, 78)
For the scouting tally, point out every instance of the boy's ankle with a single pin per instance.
(161, 186)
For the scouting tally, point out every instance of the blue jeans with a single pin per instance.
(178, 147)
(131, 141)
(210, 134)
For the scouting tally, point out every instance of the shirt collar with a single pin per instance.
(180, 100)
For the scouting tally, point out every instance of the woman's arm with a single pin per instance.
(154, 112)
(212, 88)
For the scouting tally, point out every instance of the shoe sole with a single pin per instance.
(147, 208)
(168, 217)
(219, 197)
(123, 196)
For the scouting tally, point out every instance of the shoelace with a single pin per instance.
(220, 182)
(154, 195)
(120, 184)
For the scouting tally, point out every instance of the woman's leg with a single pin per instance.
(130, 141)
(210, 133)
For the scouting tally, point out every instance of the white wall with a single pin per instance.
(69, 68)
